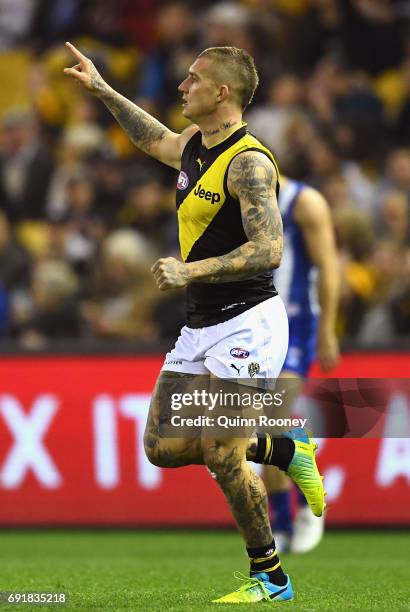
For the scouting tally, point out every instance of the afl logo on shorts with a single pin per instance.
(239, 353)
(183, 180)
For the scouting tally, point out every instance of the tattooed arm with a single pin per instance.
(252, 180)
(146, 132)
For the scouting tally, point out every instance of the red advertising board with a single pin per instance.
(71, 451)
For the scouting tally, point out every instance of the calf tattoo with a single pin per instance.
(244, 491)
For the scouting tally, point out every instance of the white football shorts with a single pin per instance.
(251, 345)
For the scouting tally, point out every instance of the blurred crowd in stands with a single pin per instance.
(83, 214)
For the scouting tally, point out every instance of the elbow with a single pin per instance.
(275, 257)
(275, 263)
(263, 256)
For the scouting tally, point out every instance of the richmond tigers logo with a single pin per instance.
(253, 369)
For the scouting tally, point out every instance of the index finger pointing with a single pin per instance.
(75, 52)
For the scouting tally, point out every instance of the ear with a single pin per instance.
(223, 93)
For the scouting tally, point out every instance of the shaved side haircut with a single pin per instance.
(236, 68)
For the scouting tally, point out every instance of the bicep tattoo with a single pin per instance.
(252, 178)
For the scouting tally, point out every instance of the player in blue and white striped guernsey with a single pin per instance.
(307, 281)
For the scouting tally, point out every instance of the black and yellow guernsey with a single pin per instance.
(210, 225)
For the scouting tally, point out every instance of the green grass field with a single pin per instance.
(184, 570)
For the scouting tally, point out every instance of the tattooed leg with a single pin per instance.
(166, 451)
(243, 488)
(226, 459)
(175, 452)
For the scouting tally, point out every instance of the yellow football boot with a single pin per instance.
(304, 472)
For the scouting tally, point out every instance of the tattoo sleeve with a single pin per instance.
(145, 131)
(252, 179)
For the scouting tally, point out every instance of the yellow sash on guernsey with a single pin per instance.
(208, 196)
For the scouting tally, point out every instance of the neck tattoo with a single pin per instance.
(223, 126)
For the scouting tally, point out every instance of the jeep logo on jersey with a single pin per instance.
(211, 196)
(183, 180)
(239, 353)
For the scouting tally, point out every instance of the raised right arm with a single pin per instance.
(146, 132)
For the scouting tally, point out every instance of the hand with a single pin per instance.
(84, 72)
(327, 349)
(169, 273)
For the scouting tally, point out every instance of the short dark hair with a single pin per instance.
(239, 70)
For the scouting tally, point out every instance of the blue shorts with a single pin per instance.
(302, 344)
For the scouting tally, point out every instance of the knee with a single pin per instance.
(150, 447)
(160, 457)
(160, 453)
(155, 454)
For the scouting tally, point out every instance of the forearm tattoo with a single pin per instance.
(252, 179)
(144, 130)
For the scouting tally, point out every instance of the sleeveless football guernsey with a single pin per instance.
(210, 225)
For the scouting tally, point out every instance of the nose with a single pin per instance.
(182, 86)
